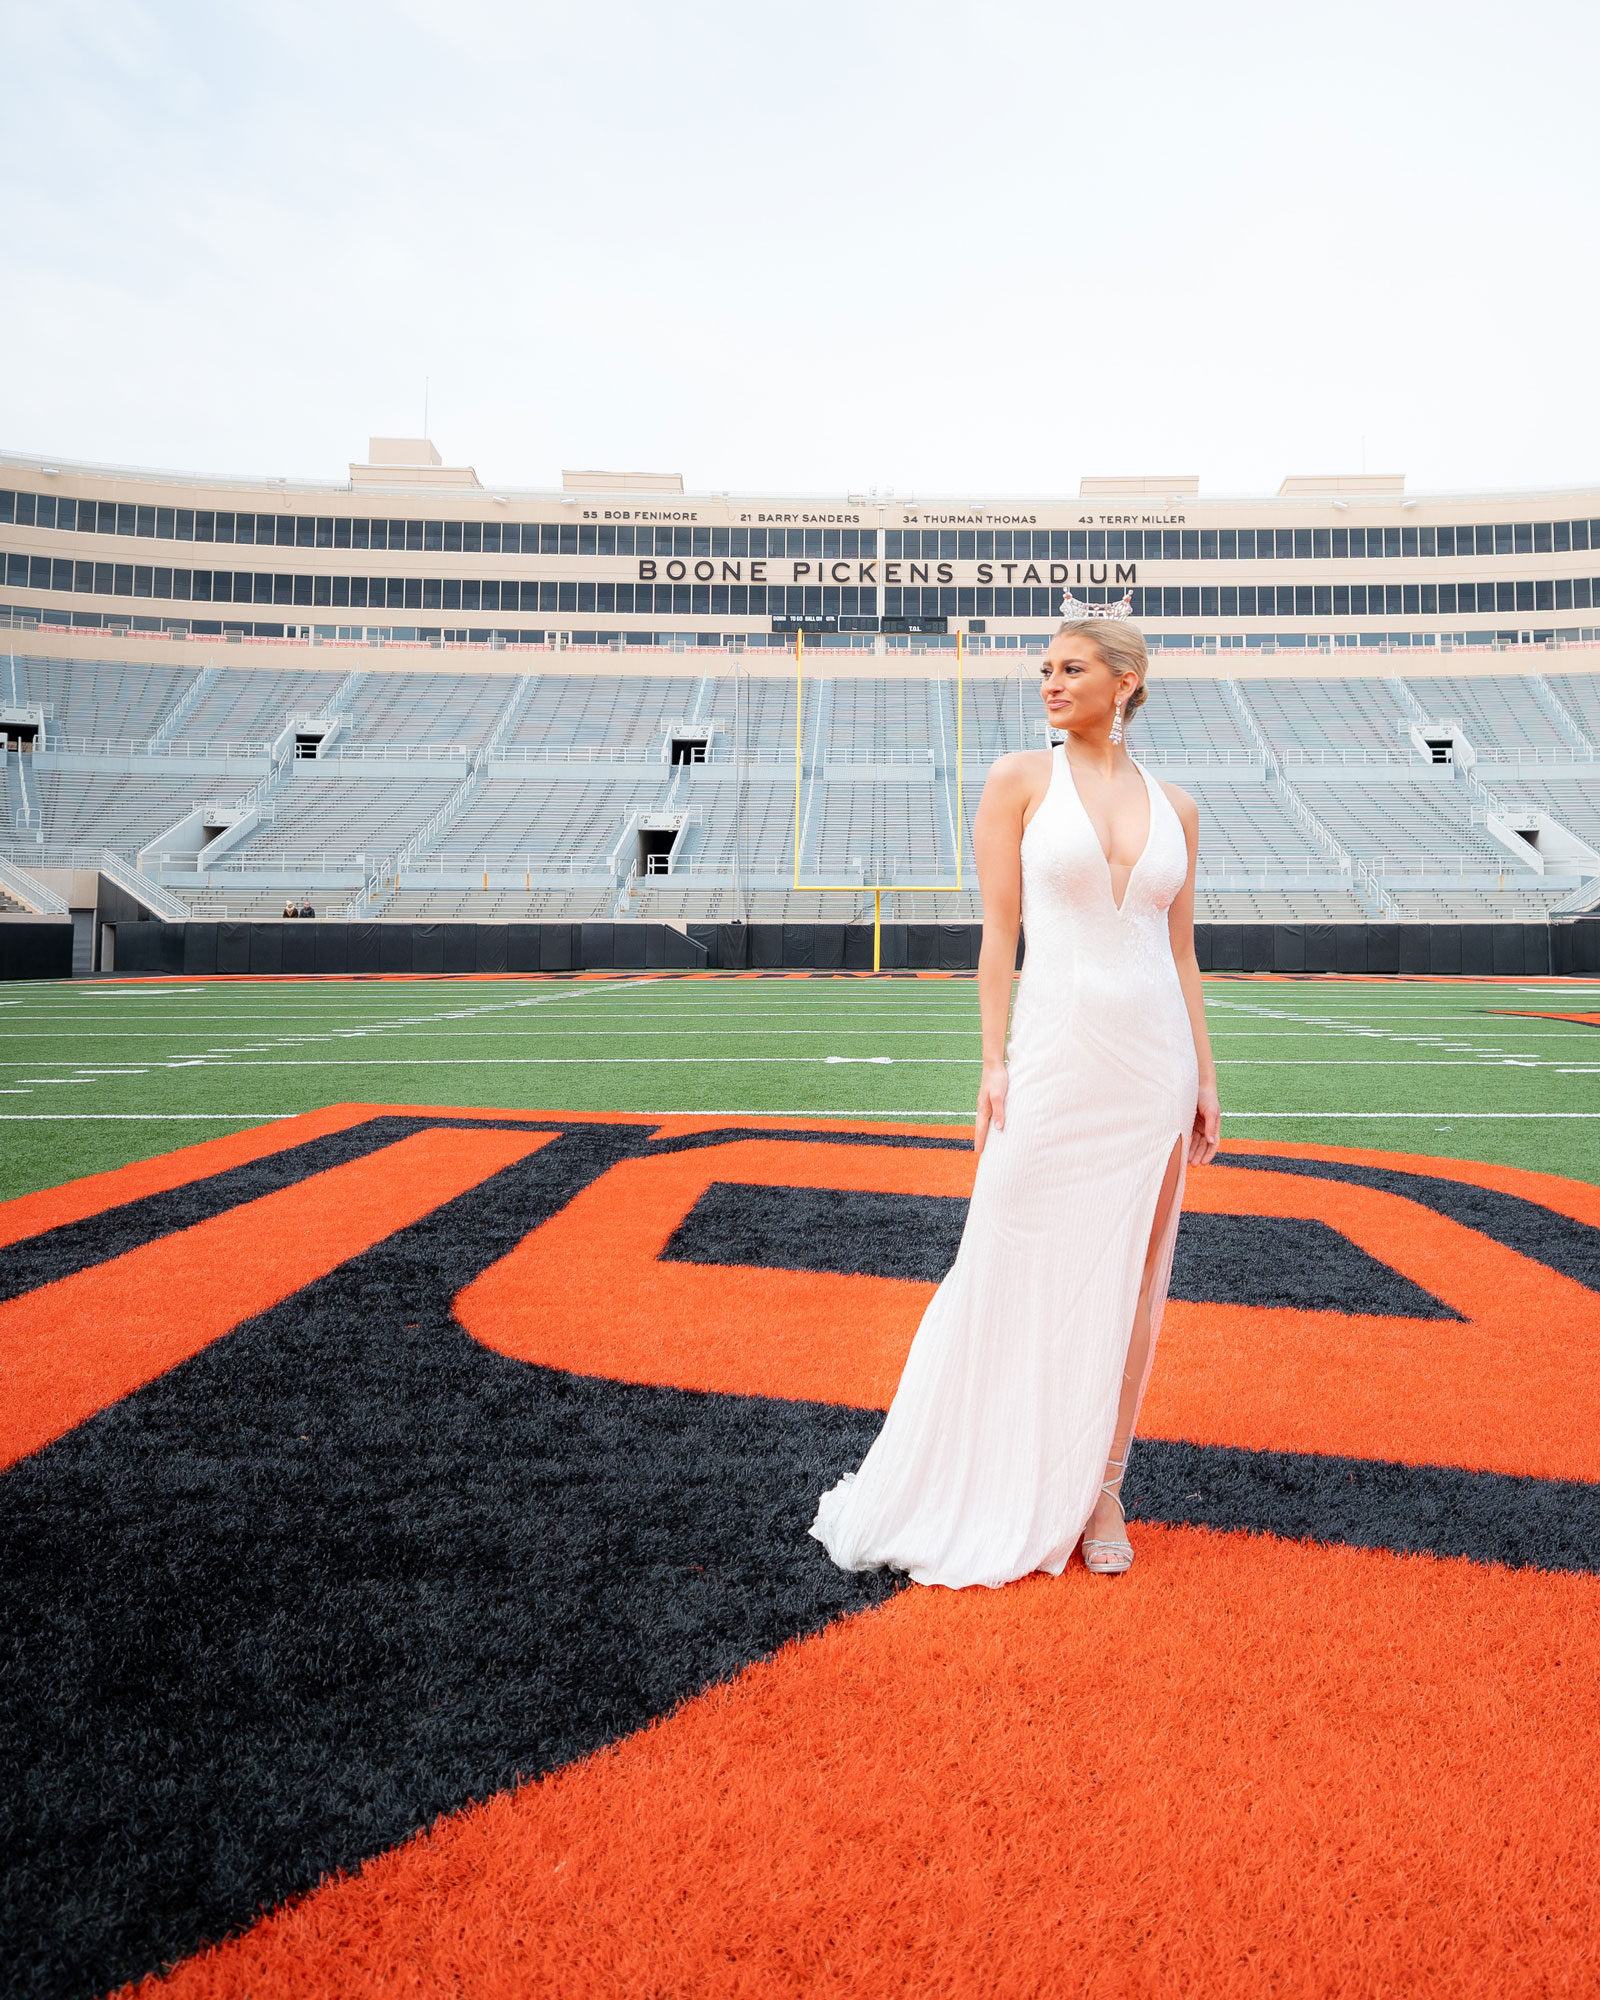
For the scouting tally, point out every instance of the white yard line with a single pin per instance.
(1316, 1117)
(576, 1034)
(1365, 1030)
(1537, 1035)
(207, 1061)
(514, 1062)
(210, 1058)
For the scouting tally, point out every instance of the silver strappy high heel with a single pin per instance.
(1110, 1558)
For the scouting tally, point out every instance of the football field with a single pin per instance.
(405, 1582)
(95, 1074)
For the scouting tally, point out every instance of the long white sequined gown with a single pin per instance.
(991, 1457)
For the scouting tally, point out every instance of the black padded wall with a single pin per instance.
(1473, 951)
(36, 950)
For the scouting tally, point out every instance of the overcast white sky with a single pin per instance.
(934, 248)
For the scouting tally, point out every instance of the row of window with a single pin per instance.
(335, 531)
(983, 544)
(573, 538)
(227, 586)
(1284, 600)
(1240, 544)
(1358, 600)
(1299, 600)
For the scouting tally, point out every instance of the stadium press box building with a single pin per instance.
(408, 550)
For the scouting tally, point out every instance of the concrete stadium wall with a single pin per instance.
(328, 946)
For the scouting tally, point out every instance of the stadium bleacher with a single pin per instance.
(88, 809)
(1570, 796)
(1511, 718)
(1181, 718)
(625, 711)
(121, 705)
(1342, 819)
(1416, 824)
(1246, 830)
(1328, 715)
(244, 707)
(1579, 695)
(425, 708)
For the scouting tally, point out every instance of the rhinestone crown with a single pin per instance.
(1071, 608)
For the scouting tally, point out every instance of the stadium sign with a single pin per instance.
(766, 569)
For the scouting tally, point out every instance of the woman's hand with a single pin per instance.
(991, 1103)
(1207, 1126)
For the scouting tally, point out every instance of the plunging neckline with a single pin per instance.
(1149, 833)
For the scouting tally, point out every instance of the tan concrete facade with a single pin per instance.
(928, 568)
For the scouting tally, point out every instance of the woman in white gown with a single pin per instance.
(1009, 1433)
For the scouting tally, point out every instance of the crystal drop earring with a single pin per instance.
(1116, 723)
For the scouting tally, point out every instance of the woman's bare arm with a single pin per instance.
(1012, 785)
(1180, 928)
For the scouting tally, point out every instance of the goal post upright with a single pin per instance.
(958, 830)
(799, 728)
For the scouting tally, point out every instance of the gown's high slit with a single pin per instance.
(991, 1456)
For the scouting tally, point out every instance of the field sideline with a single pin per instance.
(95, 1074)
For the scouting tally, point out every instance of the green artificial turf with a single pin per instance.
(97, 1073)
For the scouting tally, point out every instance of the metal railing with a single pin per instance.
(1356, 759)
(1277, 864)
(218, 811)
(1585, 897)
(140, 887)
(1459, 864)
(1560, 714)
(603, 754)
(24, 888)
(183, 707)
(1544, 756)
(396, 753)
(168, 750)
(889, 756)
(580, 866)
(25, 815)
(57, 854)
(589, 753)
(1206, 758)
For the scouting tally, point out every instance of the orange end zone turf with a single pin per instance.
(1515, 1388)
(587, 1293)
(1579, 1199)
(72, 1201)
(1247, 1768)
(74, 1346)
